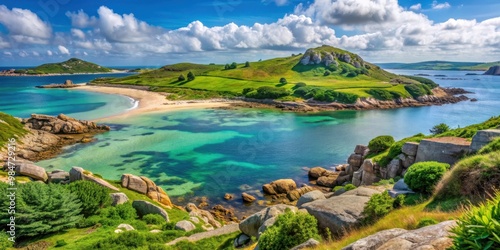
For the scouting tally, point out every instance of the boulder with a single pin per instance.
(248, 198)
(400, 187)
(146, 186)
(297, 193)
(282, 186)
(316, 172)
(310, 196)
(410, 148)
(444, 149)
(360, 149)
(31, 170)
(228, 196)
(134, 183)
(250, 226)
(241, 240)
(483, 137)
(368, 166)
(145, 207)
(58, 176)
(340, 213)
(185, 225)
(327, 181)
(430, 237)
(394, 168)
(355, 160)
(125, 227)
(77, 173)
(205, 215)
(356, 178)
(310, 243)
(118, 198)
(407, 160)
(369, 178)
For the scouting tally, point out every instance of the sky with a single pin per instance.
(155, 33)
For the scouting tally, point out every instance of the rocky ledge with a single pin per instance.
(48, 134)
(67, 84)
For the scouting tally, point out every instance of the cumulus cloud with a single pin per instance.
(80, 19)
(35, 53)
(49, 52)
(439, 6)
(63, 50)
(78, 33)
(25, 26)
(416, 7)
(7, 53)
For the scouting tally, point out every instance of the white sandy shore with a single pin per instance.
(150, 102)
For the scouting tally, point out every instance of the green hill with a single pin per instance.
(71, 66)
(321, 69)
(10, 127)
(440, 65)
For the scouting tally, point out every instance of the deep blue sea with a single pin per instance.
(207, 152)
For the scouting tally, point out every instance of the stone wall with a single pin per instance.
(444, 149)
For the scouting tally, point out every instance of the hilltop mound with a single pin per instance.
(71, 66)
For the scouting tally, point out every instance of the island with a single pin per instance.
(494, 71)
(71, 66)
(440, 65)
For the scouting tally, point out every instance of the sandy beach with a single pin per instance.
(150, 102)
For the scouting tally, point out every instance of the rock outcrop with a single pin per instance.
(297, 193)
(205, 215)
(27, 168)
(185, 225)
(118, 198)
(146, 207)
(310, 197)
(62, 124)
(146, 186)
(282, 186)
(483, 137)
(310, 243)
(435, 237)
(257, 223)
(340, 213)
(79, 174)
(248, 198)
(58, 176)
(493, 71)
(66, 85)
(444, 149)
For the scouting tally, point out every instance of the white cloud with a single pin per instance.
(35, 53)
(85, 53)
(80, 19)
(277, 2)
(63, 50)
(440, 6)
(7, 53)
(49, 52)
(416, 7)
(25, 26)
(78, 33)
(23, 53)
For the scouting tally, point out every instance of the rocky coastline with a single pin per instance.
(66, 85)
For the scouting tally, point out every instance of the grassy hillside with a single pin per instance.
(10, 127)
(71, 66)
(440, 65)
(344, 73)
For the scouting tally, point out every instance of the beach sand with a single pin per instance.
(150, 102)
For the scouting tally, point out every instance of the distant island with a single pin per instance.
(440, 65)
(71, 66)
(494, 71)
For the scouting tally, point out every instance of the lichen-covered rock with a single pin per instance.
(394, 168)
(297, 193)
(146, 186)
(328, 181)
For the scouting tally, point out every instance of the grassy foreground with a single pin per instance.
(10, 127)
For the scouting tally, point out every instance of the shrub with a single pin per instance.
(417, 90)
(168, 226)
(5, 243)
(327, 73)
(382, 94)
(283, 80)
(190, 76)
(117, 214)
(247, 64)
(428, 82)
(181, 78)
(289, 230)
(380, 143)
(299, 85)
(139, 225)
(377, 207)
(426, 222)
(349, 187)
(233, 65)
(491, 147)
(61, 243)
(352, 74)
(41, 208)
(439, 129)
(88, 222)
(154, 219)
(479, 227)
(397, 148)
(422, 177)
(92, 195)
(266, 92)
(247, 90)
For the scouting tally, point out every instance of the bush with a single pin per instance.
(479, 227)
(380, 143)
(327, 73)
(325, 95)
(247, 64)
(266, 92)
(283, 80)
(154, 219)
(299, 85)
(247, 90)
(289, 230)
(428, 82)
(349, 187)
(422, 177)
(417, 90)
(61, 243)
(115, 215)
(92, 195)
(426, 222)
(41, 208)
(168, 226)
(439, 129)
(377, 207)
(382, 94)
(88, 222)
(190, 76)
(181, 78)
(352, 74)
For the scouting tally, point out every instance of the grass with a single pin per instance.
(218, 242)
(10, 127)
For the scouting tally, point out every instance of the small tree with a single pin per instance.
(190, 76)
(327, 73)
(234, 65)
(226, 66)
(92, 195)
(247, 64)
(439, 129)
(181, 78)
(283, 80)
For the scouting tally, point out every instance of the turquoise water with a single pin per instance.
(19, 97)
(206, 152)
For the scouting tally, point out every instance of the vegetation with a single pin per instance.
(380, 143)
(439, 129)
(417, 90)
(92, 196)
(426, 81)
(426, 222)
(423, 176)
(154, 219)
(268, 93)
(190, 76)
(383, 95)
(479, 227)
(41, 209)
(470, 131)
(380, 205)
(71, 66)
(11, 128)
(289, 230)
(324, 95)
(491, 147)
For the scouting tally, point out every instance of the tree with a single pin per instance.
(181, 78)
(439, 129)
(41, 209)
(283, 80)
(327, 73)
(234, 65)
(92, 195)
(226, 66)
(190, 76)
(247, 64)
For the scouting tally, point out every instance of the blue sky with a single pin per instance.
(131, 32)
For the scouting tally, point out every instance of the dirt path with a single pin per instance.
(228, 229)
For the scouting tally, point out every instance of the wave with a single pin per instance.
(135, 103)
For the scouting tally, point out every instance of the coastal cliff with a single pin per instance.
(494, 71)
